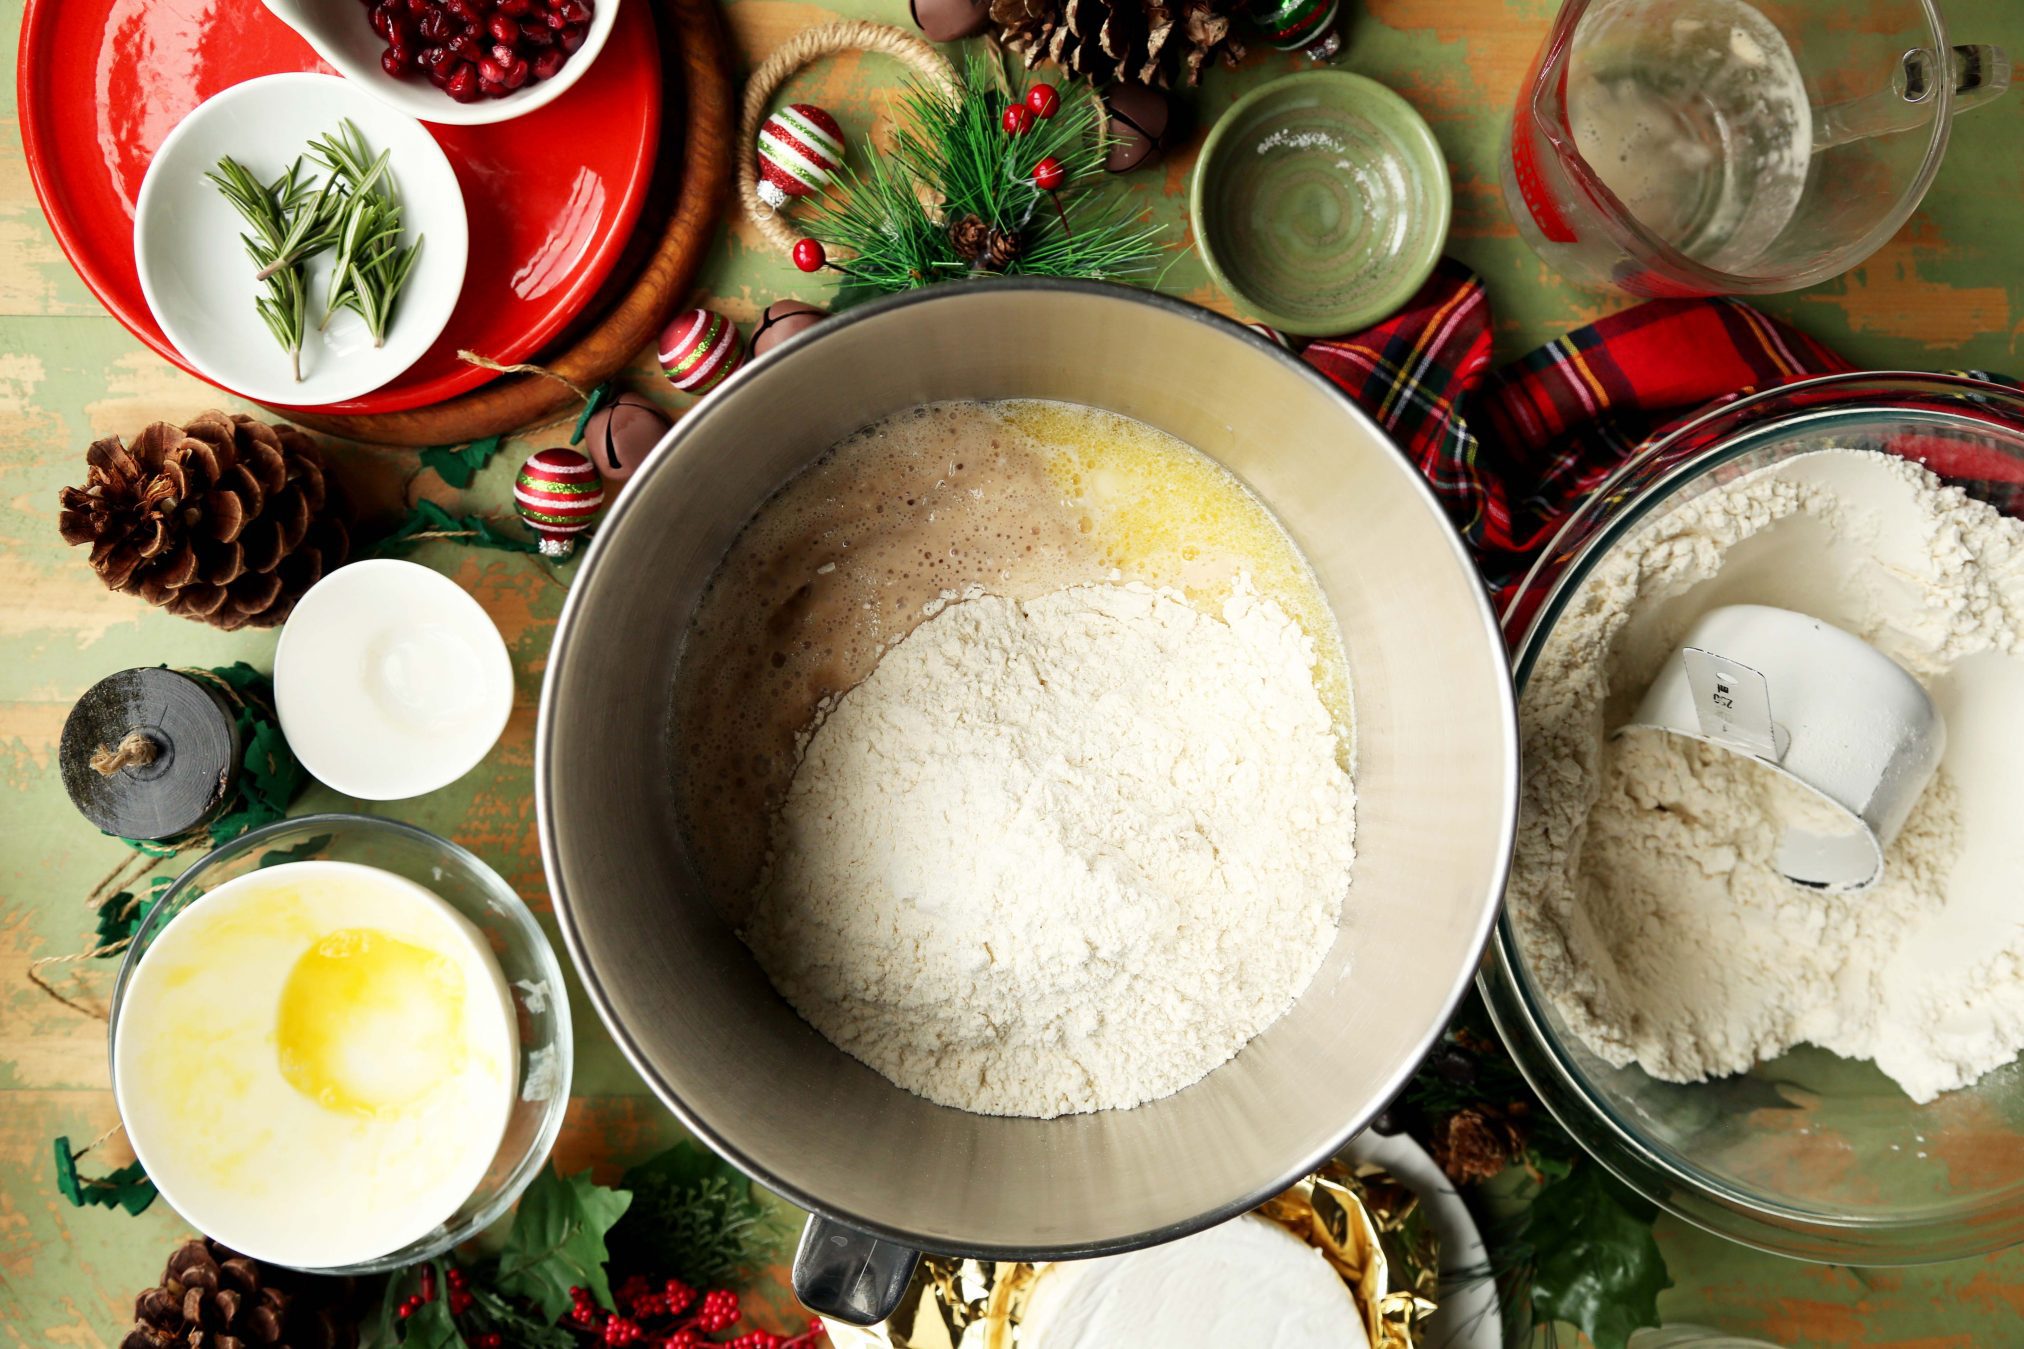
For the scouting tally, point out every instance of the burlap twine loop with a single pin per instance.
(804, 49)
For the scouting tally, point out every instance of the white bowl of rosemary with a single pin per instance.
(299, 241)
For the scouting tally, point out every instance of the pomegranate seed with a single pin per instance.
(516, 9)
(462, 10)
(382, 21)
(572, 37)
(554, 20)
(536, 35)
(550, 61)
(503, 28)
(504, 54)
(491, 72)
(420, 7)
(463, 84)
(517, 73)
(435, 27)
(396, 61)
(575, 11)
(464, 47)
(439, 76)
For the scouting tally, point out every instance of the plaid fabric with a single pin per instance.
(1512, 451)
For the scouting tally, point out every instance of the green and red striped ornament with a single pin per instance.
(800, 150)
(557, 493)
(1301, 25)
(699, 349)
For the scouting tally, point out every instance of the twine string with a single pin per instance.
(136, 751)
(137, 865)
(523, 368)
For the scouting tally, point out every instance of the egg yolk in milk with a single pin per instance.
(316, 1038)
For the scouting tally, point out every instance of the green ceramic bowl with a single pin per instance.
(1320, 202)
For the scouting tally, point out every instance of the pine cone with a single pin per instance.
(214, 1298)
(1476, 1143)
(968, 237)
(1155, 42)
(225, 519)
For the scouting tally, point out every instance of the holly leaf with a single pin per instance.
(432, 1327)
(599, 396)
(557, 1241)
(1595, 1262)
(458, 467)
(128, 1188)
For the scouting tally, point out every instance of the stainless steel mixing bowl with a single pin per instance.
(889, 1172)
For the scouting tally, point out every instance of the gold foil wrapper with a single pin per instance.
(1367, 1225)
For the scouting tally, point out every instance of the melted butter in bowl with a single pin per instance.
(316, 1040)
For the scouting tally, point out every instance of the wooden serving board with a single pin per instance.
(699, 134)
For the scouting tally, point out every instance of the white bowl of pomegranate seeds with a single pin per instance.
(460, 62)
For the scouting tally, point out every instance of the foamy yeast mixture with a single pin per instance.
(1017, 498)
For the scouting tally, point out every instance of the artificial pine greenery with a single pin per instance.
(953, 197)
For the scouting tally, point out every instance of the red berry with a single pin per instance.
(457, 1277)
(428, 1283)
(618, 1330)
(719, 1309)
(1044, 100)
(1018, 120)
(1048, 175)
(459, 1301)
(491, 1339)
(809, 255)
(678, 1296)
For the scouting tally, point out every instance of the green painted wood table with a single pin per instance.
(1948, 292)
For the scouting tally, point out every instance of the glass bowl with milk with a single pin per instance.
(340, 1044)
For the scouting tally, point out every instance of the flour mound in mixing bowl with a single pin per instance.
(1062, 854)
(1645, 891)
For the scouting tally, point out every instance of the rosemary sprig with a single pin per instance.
(288, 225)
(355, 210)
(371, 265)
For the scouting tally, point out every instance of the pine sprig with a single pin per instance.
(951, 160)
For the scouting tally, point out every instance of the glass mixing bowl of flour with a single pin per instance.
(1805, 1153)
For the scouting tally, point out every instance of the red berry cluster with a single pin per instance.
(1042, 101)
(473, 49)
(672, 1315)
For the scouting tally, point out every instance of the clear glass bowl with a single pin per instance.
(1808, 1155)
(541, 1004)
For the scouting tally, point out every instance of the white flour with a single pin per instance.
(1064, 854)
(1644, 892)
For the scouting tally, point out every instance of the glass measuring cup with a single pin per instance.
(1733, 147)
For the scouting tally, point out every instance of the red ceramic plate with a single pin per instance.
(551, 200)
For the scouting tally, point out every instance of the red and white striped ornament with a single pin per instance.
(557, 493)
(699, 349)
(800, 150)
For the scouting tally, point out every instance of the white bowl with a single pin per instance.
(341, 31)
(390, 680)
(200, 283)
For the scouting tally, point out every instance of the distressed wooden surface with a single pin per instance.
(1948, 292)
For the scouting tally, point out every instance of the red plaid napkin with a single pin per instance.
(1512, 451)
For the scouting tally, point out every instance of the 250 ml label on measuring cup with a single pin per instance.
(1732, 701)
